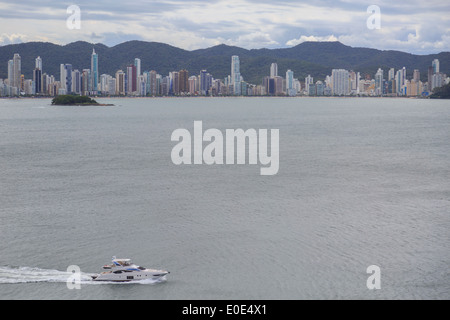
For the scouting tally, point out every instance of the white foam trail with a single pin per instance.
(17, 275)
(34, 275)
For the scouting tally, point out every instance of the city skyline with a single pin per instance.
(416, 27)
(134, 82)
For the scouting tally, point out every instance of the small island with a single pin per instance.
(72, 100)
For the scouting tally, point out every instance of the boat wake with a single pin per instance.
(20, 275)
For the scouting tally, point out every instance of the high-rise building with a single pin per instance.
(94, 71)
(430, 76)
(205, 83)
(290, 89)
(16, 71)
(308, 80)
(391, 74)
(141, 86)
(236, 75)
(437, 80)
(131, 79)
(174, 82)
(355, 78)
(274, 70)
(165, 86)
(340, 82)
(320, 87)
(104, 84)
(76, 81)
(11, 73)
(62, 76)
(37, 80)
(86, 82)
(379, 82)
(38, 63)
(184, 81)
(416, 75)
(278, 82)
(137, 64)
(120, 83)
(435, 65)
(154, 86)
(400, 81)
(67, 79)
(193, 85)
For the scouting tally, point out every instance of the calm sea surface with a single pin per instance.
(362, 182)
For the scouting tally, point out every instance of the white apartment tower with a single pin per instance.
(236, 75)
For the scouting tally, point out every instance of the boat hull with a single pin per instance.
(129, 276)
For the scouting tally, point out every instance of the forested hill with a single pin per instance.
(314, 58)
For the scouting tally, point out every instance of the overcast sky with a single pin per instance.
(415, 26)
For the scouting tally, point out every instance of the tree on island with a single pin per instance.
(441, 93)
(73, 100)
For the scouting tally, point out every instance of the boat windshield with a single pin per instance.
(123, 263)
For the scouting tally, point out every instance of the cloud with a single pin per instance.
(302, 39)
(417, 26)
(252, 40)
(15, 38)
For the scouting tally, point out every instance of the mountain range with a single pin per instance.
(309, 58)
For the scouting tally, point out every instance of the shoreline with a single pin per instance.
(235, 97)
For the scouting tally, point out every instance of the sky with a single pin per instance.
(414, 26)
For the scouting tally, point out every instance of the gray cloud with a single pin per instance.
(416, 26)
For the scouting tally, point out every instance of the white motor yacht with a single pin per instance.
(123, 270)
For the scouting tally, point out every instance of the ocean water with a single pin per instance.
(362, 182)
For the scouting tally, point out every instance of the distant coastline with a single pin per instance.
(233, 97)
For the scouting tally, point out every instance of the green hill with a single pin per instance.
(314, 58)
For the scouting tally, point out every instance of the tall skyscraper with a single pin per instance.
(94, 71)
(400, 81)
(175, 82)
(308, 81)
(62, 76)
(86, 82)
(437, 80)
(278, 82)
(435, 65)
(38, 63)
(340, 82)
(416, 75)
(430, 77)
(290, 90)
(67, 78)
(120, 82)
(76, 81)
(11, 73)
(236, 75)
(205, 82)
(154, 87)
(37, 79)
(137, 64)
(184, 81)
(391, 74)
(379, 82)
(274, 70)
(131, 79)
(17, 71)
